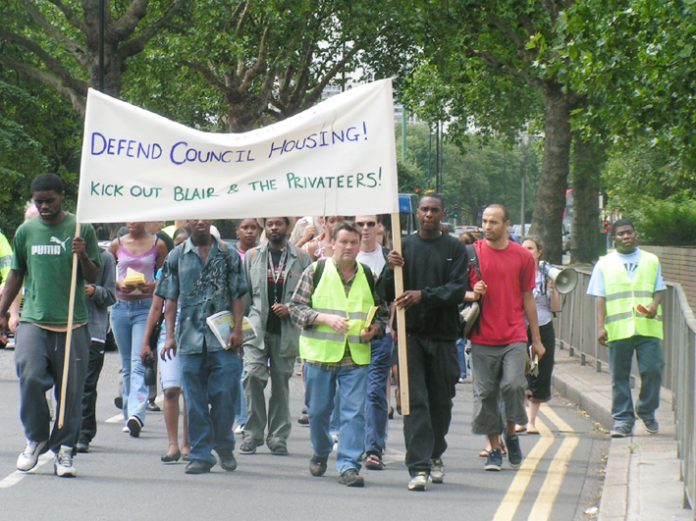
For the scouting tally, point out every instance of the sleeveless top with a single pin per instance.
(144, 263)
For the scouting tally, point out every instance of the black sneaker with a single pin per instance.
(118, 402)
(152, 406)
(514, 450)
(227, 460)
(351, 478)
(82, 446)
(304, 418)
(494, 461)
(248, 446)
(134, 426)
(317, 466)
(621, 431)
(197, 466)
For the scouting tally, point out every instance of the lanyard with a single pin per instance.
(276, 275)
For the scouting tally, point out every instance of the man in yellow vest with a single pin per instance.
(331, 304)
(628, 285)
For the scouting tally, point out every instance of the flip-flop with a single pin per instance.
(519, 429)
(532, 431)
(374, 462)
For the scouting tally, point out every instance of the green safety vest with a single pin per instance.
(323, 344)
(622, 295)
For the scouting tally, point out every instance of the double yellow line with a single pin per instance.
(541, 510)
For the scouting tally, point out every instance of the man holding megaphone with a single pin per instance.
(629, 287)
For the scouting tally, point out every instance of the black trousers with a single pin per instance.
(88, 428)
(433, 371)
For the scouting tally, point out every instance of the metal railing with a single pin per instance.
(576, 330)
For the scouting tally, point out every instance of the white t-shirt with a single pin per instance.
(374, 259)
(630, 261)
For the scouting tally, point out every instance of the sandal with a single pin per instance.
(374, 462)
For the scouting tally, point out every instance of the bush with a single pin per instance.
(671, 222)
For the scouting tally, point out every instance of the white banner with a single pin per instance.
(337, 158)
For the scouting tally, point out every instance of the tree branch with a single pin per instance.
(137, 44)
(124, 27)
(60, 38)
(260, 64)
(208, 74)
(76, 96)
(69, 14)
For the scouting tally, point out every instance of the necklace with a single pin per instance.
(276, 275)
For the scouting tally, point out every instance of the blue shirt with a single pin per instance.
(200, 290)
(630, 261)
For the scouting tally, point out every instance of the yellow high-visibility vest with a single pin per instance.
(323, 344)
(622, 295)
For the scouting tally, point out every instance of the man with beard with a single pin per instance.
(203, 278)
(273, 271)
(434, 280)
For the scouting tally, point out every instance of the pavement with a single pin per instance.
(642, 471)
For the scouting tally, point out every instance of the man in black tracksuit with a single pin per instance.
(435, 268)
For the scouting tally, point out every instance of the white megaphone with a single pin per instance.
(566, 279)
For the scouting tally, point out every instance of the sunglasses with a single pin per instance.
(369, 224)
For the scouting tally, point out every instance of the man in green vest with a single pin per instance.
(331, 304)
(629, 287)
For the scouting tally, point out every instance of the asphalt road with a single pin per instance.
(122, 477)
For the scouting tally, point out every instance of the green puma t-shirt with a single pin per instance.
(43, 254)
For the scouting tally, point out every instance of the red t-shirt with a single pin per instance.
(508, 273)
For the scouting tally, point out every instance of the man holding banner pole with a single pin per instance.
(435, 268)
(43, 256)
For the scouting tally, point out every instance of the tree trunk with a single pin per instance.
(547, 219)
(588, 159)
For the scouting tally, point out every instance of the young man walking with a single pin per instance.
(42, 262)
(629, 288)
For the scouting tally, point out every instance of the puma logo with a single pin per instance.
(56, 240)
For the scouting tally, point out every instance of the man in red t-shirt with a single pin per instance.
(499, 340)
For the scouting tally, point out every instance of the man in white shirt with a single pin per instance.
(373, 255)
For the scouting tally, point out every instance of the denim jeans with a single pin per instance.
(650, 364)
(241, 404)
(376, 406)
(128, 319)
(211, 386)
(320, 388)
(461, 356)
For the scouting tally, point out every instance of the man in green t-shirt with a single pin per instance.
(42, 261)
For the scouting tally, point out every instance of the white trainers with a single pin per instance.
(63, 465)
(419, 482)
(30, 456)
(437, 471)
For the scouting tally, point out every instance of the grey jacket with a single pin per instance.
(104, 296)
(258, 307)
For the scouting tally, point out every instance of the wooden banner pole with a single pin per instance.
(400, 320)
(68, 334)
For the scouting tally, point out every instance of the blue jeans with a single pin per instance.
(461, 356)
(376, 406)
(211, 386)
(128, 319)
(320, 389)
(650, 364)
(241, 403)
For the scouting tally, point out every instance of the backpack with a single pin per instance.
(319, 269)
(469, 312)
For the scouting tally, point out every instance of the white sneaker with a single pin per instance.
(30, 456)
(239, 429)
(63, 465)
(419, 482)
(437, 471)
